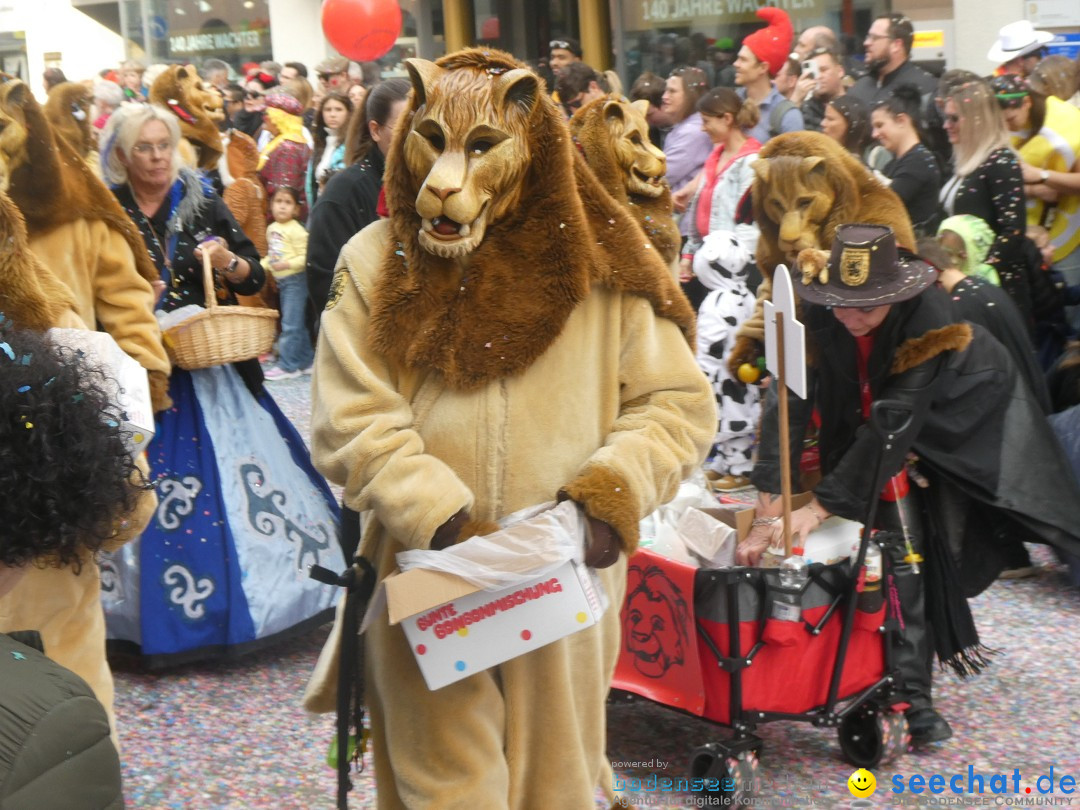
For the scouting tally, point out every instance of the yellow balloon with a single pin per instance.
(862, 784)
(748, 373)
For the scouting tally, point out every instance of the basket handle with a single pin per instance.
(208, 281)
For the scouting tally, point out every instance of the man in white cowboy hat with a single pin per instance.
(1019, 47)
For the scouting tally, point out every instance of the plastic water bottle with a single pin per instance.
(871, 598)
(794, 574)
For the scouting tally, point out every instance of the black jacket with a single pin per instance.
(977, 425)
(55, 749)
(345, 207)
(994, 192)
(869, 92)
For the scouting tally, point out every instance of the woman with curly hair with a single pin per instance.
(74, 490)
(243, 512)
(328, 155)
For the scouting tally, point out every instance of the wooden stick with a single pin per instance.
(785, 430)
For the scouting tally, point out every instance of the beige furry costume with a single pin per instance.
(62, 604)
(549, 354)
(79, 231)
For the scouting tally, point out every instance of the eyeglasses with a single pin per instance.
(951, 120)
(142, 148)
(874, 37)
(253, 94)
(327, 76)
(575, 105)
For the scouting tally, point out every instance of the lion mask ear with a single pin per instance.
(812, 163)
(516, 88)
(423, 75)
(641, 105)
(16, 95)
(761, 169)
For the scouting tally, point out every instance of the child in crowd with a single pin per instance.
(286, 242)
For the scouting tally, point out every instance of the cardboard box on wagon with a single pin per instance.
(126, 382)
(456, 629)
(835, 540)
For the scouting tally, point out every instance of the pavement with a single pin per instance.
(232, 733)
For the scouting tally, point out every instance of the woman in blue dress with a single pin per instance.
(222, 567)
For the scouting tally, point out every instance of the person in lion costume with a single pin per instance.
(62, 604)
(613, 135)
(502, 340)
(805, 186)
(199, 109)
(67, 109)
(78, 230)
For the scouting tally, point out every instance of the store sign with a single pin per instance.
(1066, 45)
(1053, 13)
(656, 13)
(928, 39)
(255, 39)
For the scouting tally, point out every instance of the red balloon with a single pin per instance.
(362, 30)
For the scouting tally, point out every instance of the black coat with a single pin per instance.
(977, 426)
(344, 208)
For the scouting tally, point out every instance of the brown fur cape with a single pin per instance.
(30, 295)
(50, 183)
(179, 90)
(59, 110)
(652, 214)
(494, 314)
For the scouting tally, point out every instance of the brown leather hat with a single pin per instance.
(866, 270)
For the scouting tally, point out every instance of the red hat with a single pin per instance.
(772, 44)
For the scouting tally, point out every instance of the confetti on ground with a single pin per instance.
(232, 734)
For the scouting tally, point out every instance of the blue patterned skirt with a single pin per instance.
(242, 514)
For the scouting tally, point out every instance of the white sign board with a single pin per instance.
(783, 305)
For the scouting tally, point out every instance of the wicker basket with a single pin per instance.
(220, 334)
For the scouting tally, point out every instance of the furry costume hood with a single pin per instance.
(242, 155)
(653, 214)
(68, 112)
(179, 90)
(30, 295)
(495, 312)
(49, 182)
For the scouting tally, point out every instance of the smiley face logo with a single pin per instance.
(862, 784)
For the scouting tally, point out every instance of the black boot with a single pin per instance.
(912, 646)
(927, 726)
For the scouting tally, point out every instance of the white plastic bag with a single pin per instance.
(712, 541)
(533, 542)
(167, 320)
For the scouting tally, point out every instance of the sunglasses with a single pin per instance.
(559, 43)
(575, 105)
(253, 94)
(327, 76)
(951, 119)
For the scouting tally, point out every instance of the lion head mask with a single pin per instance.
(614, 137)
(497, 227)
(180, 90)
(468, 159)
(806, 185)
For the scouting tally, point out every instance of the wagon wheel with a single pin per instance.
(869, 736)
(731, 776)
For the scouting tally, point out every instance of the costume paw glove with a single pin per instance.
(460, 527)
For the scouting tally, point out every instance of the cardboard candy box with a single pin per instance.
(457, 628)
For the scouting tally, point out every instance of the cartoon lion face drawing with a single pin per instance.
(467, 148)
(655, 622)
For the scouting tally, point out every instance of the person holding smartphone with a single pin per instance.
(822, 81)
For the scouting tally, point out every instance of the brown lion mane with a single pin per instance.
(559, 232)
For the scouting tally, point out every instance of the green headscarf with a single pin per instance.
(977, 237)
